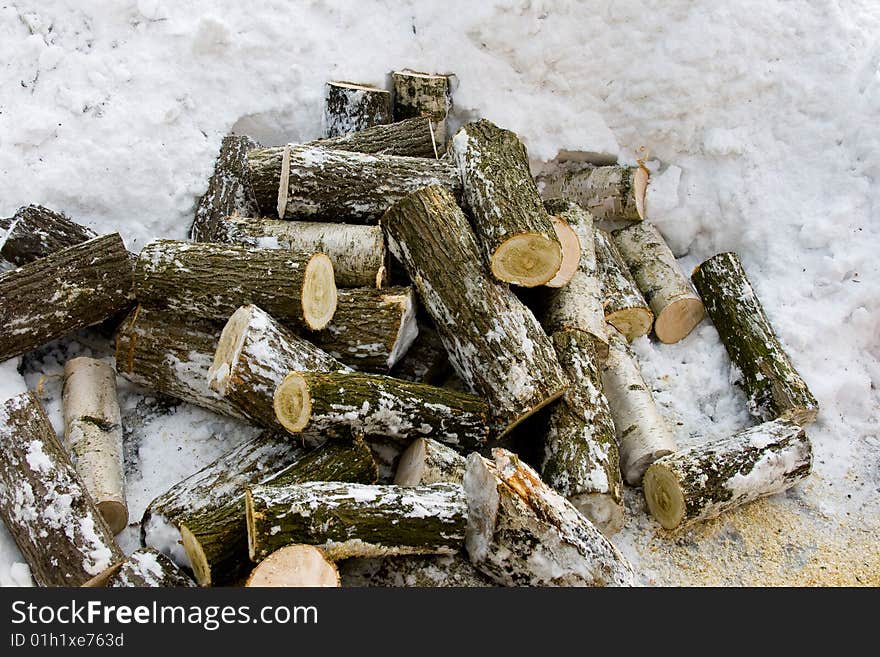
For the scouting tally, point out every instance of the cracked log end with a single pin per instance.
(229, 348)
(632, 322)
(678, 319)
(319, 292)
(571, 252)
(294, 566)
(293, 403)
(527, 259)
(197, 559)
(664, 496)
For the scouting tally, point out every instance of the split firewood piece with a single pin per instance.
(522, 533)
(677, 308)
(493, 341)
(643, 434)
(357, 252)
(427, 461)
(577, 305)
(35, 232)
(581, 460)
(213, 280)
(409, 138)
(426, 360)
(705, 481)
(613, 193)
(773, 386)
(148, 568)
(571, 252)
(372, 329)
(93, 430)
(294, 566)
(423, 94)
(327, 402)
(625, 307)
(349, 107)
(428, 571)
(515, 231)
(62, 293)
(43, 502)
(341, 186)
(172, 355)
(356, 520)
(229, 192)
(216, 539)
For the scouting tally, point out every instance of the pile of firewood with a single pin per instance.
(392, 386)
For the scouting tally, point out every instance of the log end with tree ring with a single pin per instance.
(318, 292)
(678, 319)
(527, 260)
(196, 555)
(295, 566)
(601, 510)
(293, 403)
(412, 464)
(571, 252)
(631, 322)
(635, 470)
(115, 513)
(229, 348)
(664, 496)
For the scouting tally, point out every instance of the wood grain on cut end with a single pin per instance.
(571, 252)
(631, 322)
(293, 403)
(527, 260)
(319, 292)
(295, 566)
(678, 319)
(663, 495)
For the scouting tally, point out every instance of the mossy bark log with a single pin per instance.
(426, 360)
(427, 461)
(35, 232)
(624, 306)
(422, 94)
(613, 193)
(349, 107)
(409, 138)
(147, 568)
(432, 571)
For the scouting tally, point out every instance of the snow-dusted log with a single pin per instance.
(229, 192)
(705, 481)
(427, 461)
(35, 232)
(410, 138)
(773, 386)
(93, 431)
(43, 502)
(148, 568)
(357, 252)
(340, 186)
(356, 520)
(522, 533)
(614, 193)
(430, 571)
(63, 292)
(213, 280)
(422, 94)
(425, 361)
(514, 229)
(172, 355)
(327, 402)
(294, 566)
(349, 107)
(493, 341)
(625, 307)
(643, 434)
(581, 460)
(677, 308)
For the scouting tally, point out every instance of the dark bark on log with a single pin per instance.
(410, 138)
(147, 568)
(35, 232)
(445, 570)
(350, 107)
(425, 95)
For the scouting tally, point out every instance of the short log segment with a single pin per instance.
(516, 233)
(340, 186)
(295, 566)
(773, 386)
(581, 460)
(625, 307)
(677, 308)
(409, 138)
(349, 107)
(327, 402)
(356, 520)
(44, 504)
(62, 293)
(613, 193)
(643, 434)
(445, 570)
(493, 341)
(522, 533)
(707, 480)
(93, 431)
(147, 568)
(212, 281)
(35, 232)
(422, 94)
(427, 461)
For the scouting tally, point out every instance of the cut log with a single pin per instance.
(357, 252)
(707, 480)
(212, 281)
(229, 192)
(422, 94)
(445, 570)
(294, 566)
(514, 229)
(356, 520)
(571, 252)
(93, 430)
(643, 435)
(410, 138)
(35, 232)
(427, 461)
(581, 460)
(522, 533)
(773, 386)
(327, 402)
(425, 361)
(148, 568)
(625, 307)
(62, 293)
(349, 107)
(613, 193)
(677, 308)
(340, 186)
(493, 341)
(43, 503)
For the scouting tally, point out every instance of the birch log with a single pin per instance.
(44, 504)
(147, 568)
(349, 107)
(493, 341)
(409, 138)
(430, 571)
(624, 306)
(613, 193)
(515, 231)
(295, 566)
(705, 481)
(422, 94)
(35, 232)
(427, 461)
(773, 386)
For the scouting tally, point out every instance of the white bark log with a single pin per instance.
(350, 107)
(427, 461)
(625, 307)
(613, 193)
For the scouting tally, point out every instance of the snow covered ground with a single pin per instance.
(760, 117)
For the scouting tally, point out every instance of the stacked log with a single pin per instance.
(613, 193)
(624, 306)
(35, 232)
(350, 107)
(426, 95)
